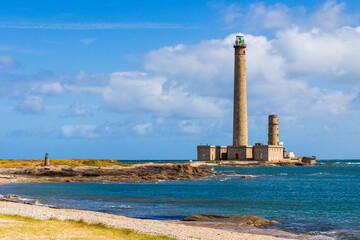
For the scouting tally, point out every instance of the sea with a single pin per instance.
(316, 200)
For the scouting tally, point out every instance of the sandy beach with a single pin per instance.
(146, 226)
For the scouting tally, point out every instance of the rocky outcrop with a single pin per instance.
(242, 221)
(138, 173)
(245, 176)
(11, 196)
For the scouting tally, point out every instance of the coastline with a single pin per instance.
(146, 172)
(157, 227)
(137, 172)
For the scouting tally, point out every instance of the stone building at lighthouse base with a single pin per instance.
(273, 152)
(259, 152)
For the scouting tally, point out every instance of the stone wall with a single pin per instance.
(276, 153)
(206, 153)
(268, 153)
(240, 153)
(261, 153)
(221, 153)
(211, 153)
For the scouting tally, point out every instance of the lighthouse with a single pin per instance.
(240, 150)
(240, 129)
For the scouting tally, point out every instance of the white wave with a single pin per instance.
(26, 199)
(224, 179)
(38, 203)
(121, 206)
(42, 204)
(160, 181)
(252, 176)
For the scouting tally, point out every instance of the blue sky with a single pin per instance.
(153, 79)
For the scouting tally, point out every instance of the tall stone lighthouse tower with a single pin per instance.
(240, 129)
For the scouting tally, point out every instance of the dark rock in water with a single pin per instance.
(241, 220)
(244, 176)
(11, 196)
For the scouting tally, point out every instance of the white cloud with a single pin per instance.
(39, 131)
(31, 105)
(289, 74)
(329, 129)
(137, 91)
(331, 15)
(318, 53)
(281, 72)
(143, 129)
(88, 41)
(231, 13)
(259, 16)
(275, 16)
(7, 63)
(77, 109)
(280, 79)
(48, 88)
(187, 126)
(82, 131)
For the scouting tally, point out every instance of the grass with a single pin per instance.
(19, 227)
(68, 162)
(212, 161)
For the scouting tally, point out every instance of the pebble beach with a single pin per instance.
(146, 226)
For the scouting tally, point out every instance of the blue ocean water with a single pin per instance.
(316, 199)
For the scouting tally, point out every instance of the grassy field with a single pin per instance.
(68, 162)
(18, 227)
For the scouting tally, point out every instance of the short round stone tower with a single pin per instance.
(273, 137)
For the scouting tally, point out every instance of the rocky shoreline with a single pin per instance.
(137, 173)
